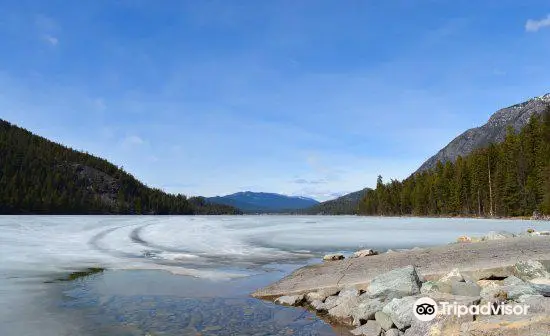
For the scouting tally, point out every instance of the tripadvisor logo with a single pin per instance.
(426, 309)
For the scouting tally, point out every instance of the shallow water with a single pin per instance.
(227, 256)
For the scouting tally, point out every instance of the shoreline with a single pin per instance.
(479, 262)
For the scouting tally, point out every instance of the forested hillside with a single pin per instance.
(38, 176)
(511, 178)
(343, 205)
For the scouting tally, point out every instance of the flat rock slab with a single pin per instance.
(479, 260)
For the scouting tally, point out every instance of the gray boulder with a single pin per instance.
(542, 285)
(290, 300)
(452, 276)
(333, 257)
(364, 253)
(465, 289)
(331, 302)
(401, 311)
(321, 294)
(513, 289)
(436, 287)
(395, 284)
(494, 235)
(392, 332)
(515, 292)
(530, 269)
(384, 320)
(346, 302)
(349, 292)
(318, 305)
(372, 328)
(366, 310)
(494, 294)
(512, 281)
(429, 287)
(490, 283)
(538, 304)
(441, 325)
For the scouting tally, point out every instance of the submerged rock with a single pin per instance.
(333, 257)
(290, 300)
(395, 284)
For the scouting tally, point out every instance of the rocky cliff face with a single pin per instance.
(493, 131)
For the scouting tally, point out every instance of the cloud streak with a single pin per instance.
(54, 41)
(534, 26)
(306, 181)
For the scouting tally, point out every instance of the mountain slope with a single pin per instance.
(263, 202)
(507, 179)
(494, 131)
(343, 205)
(38, 176)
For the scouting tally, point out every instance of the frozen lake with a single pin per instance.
(230, 253)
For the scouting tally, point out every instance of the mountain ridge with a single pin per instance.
(494, 131)
(250, 201)
(344, 205)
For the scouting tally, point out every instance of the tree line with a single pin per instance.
(38, 176)
(507, 179)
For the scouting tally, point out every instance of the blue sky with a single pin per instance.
(310, 98)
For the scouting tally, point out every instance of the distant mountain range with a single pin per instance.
(260, 202)
(493, 131)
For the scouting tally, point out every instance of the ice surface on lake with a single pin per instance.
(212, 246)
(34, 249)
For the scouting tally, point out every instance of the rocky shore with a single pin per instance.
(477, 286)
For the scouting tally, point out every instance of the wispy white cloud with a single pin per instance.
(309, 181)
(535, 25)
(52, 40)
